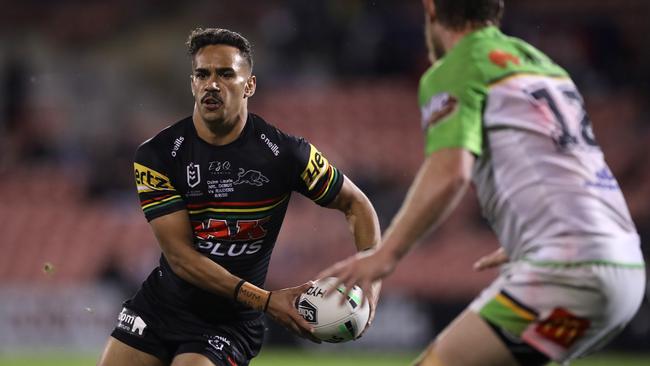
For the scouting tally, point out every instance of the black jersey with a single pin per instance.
(236, 195)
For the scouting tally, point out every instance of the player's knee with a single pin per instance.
(429, 357)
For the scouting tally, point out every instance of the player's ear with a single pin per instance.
(192, 84)
(429, 9)
(249, 88)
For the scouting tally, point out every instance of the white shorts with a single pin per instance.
(563, 311)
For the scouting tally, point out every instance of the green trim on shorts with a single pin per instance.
(506, 315)
(584, 263)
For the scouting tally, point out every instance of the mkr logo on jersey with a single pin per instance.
(193, 175)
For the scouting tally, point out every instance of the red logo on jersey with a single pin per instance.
(501, 58)
(562, 327)
(219, 229)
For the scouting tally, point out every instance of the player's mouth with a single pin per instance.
(211, 103)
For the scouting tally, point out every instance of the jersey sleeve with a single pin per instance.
(157, 195)
(451, 102)
(315, 177)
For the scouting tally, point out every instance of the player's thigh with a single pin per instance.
(192, 359)
(117, 353)
(467, 341)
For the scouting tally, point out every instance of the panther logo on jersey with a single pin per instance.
(252, 177)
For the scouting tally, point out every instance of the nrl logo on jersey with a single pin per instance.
(439, 106)
(193, 175)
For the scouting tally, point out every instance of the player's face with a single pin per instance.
(221, 82)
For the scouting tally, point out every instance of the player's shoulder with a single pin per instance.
(169, 138)
(497, 55)
(273, 138)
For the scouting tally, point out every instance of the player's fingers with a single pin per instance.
(302, 288)
(333, 271)
(491, 260)
(348, 286)
(366, 287)
(303, 328)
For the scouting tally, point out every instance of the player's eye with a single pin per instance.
(227, 74)
(201, 75)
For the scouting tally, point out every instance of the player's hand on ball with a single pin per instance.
(361, 269)
(282, 309)
(494, 259)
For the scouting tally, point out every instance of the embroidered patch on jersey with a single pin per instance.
(562, 327)
(501, 58)
(315, 169)
(439, 106)
(506, 312)
(130, 322)
(149, 180)
(193, 175)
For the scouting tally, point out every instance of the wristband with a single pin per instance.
(238, 287)
(268, 299)
(252, 296)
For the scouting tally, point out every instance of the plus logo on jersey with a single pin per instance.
(193, 175)
(237, 230)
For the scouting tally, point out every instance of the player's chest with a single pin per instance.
(233, 175)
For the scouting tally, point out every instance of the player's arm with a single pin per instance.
(174, 235)
(436, 190)
(359, 213)
(364, 225)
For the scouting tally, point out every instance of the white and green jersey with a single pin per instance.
(541, 178)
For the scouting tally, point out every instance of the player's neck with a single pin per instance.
(219, 133)
(451, 37)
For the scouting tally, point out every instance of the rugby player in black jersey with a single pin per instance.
(215, 188)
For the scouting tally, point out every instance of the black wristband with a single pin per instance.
(268, 299)
(238, 287)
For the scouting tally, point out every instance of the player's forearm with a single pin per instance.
(360, 215)
(438, 187)
(364, 224)
(204, 273)
(174, 235)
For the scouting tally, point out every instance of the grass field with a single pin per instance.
(279, 357)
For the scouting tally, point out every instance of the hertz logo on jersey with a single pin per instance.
(149, 180)
(316, 167)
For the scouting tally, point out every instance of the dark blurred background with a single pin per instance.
(83, 83)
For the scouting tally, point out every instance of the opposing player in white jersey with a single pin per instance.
(500, 113)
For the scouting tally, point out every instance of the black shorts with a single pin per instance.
(157, 330)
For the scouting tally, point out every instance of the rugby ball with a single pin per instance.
(332, 321)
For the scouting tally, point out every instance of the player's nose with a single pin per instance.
(212, 86)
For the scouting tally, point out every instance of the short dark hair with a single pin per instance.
(201, 37)
(456, 14)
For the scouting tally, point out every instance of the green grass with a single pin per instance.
(288, 357)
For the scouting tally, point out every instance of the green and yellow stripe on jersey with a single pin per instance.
(506, 312)
(250, 208)
(157, 194)
(323, 180)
